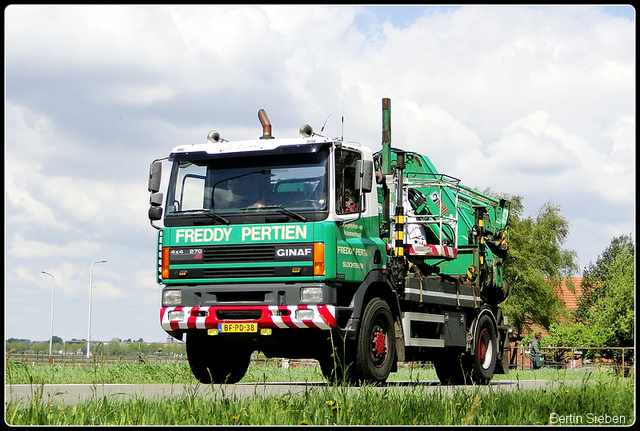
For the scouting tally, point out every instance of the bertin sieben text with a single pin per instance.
(586, 419)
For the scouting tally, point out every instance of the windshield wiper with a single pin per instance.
(206, 212)
(280, 208)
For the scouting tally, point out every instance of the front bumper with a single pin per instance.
(266, 316)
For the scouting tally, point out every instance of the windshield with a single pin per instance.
(249, 184)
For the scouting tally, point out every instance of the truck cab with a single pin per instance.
(263, 240)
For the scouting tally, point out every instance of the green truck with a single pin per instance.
(314, 247)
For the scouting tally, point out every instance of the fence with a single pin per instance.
(74, 353)
(73, 359)
(565, 357)
(555, 357)
(80, 360)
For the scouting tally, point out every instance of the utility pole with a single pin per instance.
(51, 330)
(90, 302)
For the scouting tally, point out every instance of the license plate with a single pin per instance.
(238, 327)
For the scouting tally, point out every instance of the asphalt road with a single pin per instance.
(71, 394)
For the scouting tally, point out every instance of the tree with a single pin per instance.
(597, 277)
(615, 309)
(608, 293)
(20, 345)
(114, 348)
(535, 265)
(579, 335)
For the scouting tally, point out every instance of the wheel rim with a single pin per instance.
(379, 341)
(485, 349)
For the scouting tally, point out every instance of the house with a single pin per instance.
(564, 292)
(569, 291)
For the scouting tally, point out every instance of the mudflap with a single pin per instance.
(502, 367)
(504, 346)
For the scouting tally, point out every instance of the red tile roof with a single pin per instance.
(566, 295)
(569, 298)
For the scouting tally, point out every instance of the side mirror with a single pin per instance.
(155, 210)
(156, 199)
(364, 176)
(155, 175)
(155, 213)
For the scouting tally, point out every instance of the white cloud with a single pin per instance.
(39, 198)
(98, 202)
(623, 134)
(65, 276)
(136, 95)
(26, 249)
(106, 291)
(80, 39)
(534, 145)
(536, 154)
(30, 210)
(429, 127)
(535, 101)
(32, 137)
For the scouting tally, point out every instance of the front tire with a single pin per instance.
(376, 344)
(213, 361)
(335, 367)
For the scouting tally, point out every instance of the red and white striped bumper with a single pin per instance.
(273, 316)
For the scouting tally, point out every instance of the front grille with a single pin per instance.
(238, 314)
(239, 253)
(241, 296)
(242, 261)
(239, 272)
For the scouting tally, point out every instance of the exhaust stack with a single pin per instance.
(266, 125)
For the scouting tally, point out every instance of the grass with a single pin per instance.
(605, 396)
(18, 372)
(120, 372)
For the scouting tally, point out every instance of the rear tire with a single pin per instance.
(466, 369)
(486, 351)
(213, 361)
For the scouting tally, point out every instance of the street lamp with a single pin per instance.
(90, 300)
(51, 332)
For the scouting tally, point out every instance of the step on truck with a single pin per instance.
(313, 247)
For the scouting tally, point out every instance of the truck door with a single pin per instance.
(355, 246)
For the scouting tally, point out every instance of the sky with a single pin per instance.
(535, 101)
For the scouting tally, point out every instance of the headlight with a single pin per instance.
(171, 297)
(311, 294)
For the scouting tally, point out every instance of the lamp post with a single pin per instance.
(90, 301)
(51, 331)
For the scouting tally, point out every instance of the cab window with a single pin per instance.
(347, 197)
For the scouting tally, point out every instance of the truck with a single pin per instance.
(316, 247)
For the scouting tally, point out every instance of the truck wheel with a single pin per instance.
(452, 369)
(486, 352)
(334, 368)
(376, 345)
(336, 359)
(213, 361)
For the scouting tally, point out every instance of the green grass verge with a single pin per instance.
(607, 399)
(18, 372)
(603, 397)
